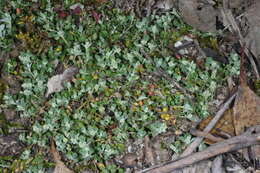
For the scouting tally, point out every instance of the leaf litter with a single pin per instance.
(244, 114)
(55, 83)
(60, 167)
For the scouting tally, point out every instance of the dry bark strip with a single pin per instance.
(232, 144)
(209, 127)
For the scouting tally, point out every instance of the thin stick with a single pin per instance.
(209, 136)
(210, 126)
(232, 144)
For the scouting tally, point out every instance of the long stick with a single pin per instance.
(209, 136)
(232, 144)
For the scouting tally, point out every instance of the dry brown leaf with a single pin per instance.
(55, 83)
(223, 127)
(60, 166)
(246, 111)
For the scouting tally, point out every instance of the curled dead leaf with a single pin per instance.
(55, 83)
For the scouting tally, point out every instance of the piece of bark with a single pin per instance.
(214, 55)
(232, 144)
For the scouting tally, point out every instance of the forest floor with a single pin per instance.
(107, 86)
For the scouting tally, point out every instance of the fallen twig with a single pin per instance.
(232, 144)
(210, 126)
(209, 136)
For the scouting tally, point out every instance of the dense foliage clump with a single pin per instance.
(117, 94)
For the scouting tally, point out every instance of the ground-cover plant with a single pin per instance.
(115, 96)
